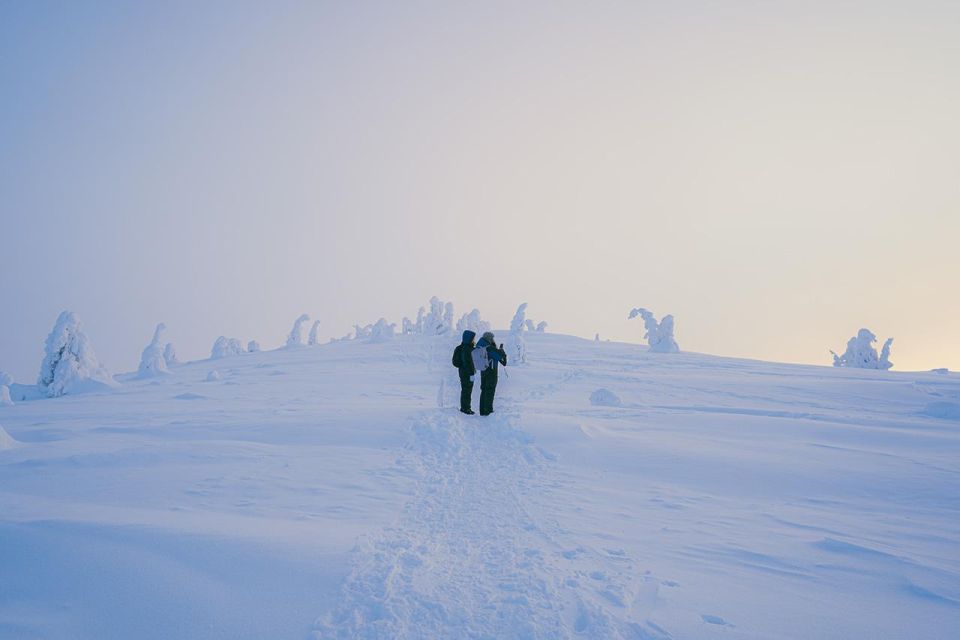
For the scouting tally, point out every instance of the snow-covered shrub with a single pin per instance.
(225, 347)
(253, 346)
(473, 322)
(214, 376)
(659, 335)
(5, 381)
(69, 362)
(152, 360)
(295, 339)
(170, 355)
(362, 332)
(861, 354)
(519, 319)
(540, 327)
(314, 330)
(605, 398)
(407, 326)
(345, 338)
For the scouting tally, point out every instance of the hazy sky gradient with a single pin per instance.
(776, 175)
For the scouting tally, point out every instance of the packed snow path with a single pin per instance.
(471, 558)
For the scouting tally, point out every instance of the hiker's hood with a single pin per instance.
(484, 343)
(468, 336)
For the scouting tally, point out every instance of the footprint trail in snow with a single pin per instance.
(470, 558)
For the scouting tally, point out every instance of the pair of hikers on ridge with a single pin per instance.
(484, 356)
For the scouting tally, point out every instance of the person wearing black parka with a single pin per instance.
(488, 377)
(463, 361)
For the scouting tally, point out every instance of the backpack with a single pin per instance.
(481, 360)
(457, 356)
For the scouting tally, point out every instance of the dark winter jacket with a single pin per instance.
(495, 354)
(465, 351)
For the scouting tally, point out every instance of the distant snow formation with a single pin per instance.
(472, 322)
(225, 347)
(861, 354)
(295, 339)
(153, 362)
(253, 346)
(5, 381)
(381, 331)
(170, 355)
(314, 331)
(659, 335)
(516, 345)
(214, 376)
(69, 361)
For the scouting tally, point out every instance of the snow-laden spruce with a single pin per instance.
(659, 335)
(312, 339)
(295, 339)
(5, 381)
(70, 363)
(253, 346)
(225, 347)
(153, 362)
(861, 354)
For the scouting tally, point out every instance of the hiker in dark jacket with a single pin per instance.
(462, 358)
(488, 377)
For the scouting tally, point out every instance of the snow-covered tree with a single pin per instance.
(225, 347)
(314, 330)
(448, 318)
(295, 339)
(362, 332)
(433, 322)
(421, 320)
(473, 322)
(659, 335)
(69, 361)
(516, 345)
(152, 360)
(407, 327)
(170, 355)
(253, 346)
(382, 331)
(5, 381)
(861, 354)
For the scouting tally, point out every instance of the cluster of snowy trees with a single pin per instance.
(659, 335)
(437, 321)
(861, 354)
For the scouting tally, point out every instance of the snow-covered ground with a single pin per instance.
(321, 492)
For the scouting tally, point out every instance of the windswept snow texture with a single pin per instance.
(322, 493)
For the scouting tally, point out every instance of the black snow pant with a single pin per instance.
(488, 387)
(466, 390)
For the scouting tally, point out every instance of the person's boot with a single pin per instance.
(469, 412)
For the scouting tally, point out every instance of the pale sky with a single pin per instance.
(776, 175)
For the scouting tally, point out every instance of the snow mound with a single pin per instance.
(943, 410)
(605, 398)
(70, 364)
(214, 376)
(6, 441)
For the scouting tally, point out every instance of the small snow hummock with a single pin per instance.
(605, 398)
(253, 346)
(214, 376)
(295, 339)
(312, 339)
(5, 381)
(6, 440)
(153, 362)
(943, 410)
(940, 370)
(659, 335)
(861, 354)
(225, 347)
(69, 363)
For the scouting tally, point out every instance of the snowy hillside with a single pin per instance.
(321, 492)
